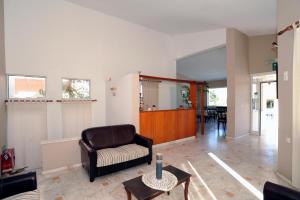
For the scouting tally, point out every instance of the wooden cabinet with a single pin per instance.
(168, 125)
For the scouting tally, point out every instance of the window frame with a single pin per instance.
(74, 99)
(30, 76)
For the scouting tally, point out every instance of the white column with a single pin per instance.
(296, 111)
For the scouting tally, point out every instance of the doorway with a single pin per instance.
(214, 113)
(264, 110)
(269, 110)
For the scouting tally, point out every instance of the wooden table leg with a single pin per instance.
(128, 194)
(186, 189)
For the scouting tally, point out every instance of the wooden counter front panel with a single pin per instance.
(146, 124)
(182, 124)
(192, 123)
(166, 126)
(158, 127)
(170, 126)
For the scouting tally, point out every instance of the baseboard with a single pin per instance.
(175, 141)
(61, 169)
(283, 178)
(254, 133)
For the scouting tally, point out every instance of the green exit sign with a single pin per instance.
(274, 66)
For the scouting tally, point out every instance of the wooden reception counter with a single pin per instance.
(168, 125)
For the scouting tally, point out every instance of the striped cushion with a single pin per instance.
(120, 154)
(32, 195)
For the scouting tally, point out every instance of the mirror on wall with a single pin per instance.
(163, 95)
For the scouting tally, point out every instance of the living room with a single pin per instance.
(82, 64)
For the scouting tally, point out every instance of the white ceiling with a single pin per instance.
(209, 65)
(253, 17)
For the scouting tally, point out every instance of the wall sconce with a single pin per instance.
(274, 45)
(113, 91)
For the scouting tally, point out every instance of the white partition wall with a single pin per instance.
(122, 98)
(296, 111)
(76, 117)
(2, 78)
(27, 128)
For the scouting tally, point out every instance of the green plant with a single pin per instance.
(71, 91)
(42, 92)
(185, 94)
(213, 98)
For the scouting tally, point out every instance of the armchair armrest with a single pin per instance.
(88, 159)
(143, 141)
(17, 184)
(146, 142)
(273, 192)
(91, 152)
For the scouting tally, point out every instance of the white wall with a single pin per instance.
(55, 158)
(288, 12)
(238, 84)
(296, 111)
(261, 53)
(188, 44)
(123, 101)
(2, 79)
(55, 38)
(59, 39)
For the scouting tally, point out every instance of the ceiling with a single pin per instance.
(209, 65)
(253, 17)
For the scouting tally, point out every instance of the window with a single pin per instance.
(217, 97)
(26, 86)
(75, 89)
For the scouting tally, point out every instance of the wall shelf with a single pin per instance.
(28, 101)
(49, 100)
(76, 100)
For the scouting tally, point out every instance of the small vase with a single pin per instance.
(158, 166)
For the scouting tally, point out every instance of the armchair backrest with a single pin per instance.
(108, 136)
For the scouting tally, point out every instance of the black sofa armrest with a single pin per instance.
(277, 192)
(143, 141)
(91, 152)
(17, 184)
(89, 159)
(146, 142)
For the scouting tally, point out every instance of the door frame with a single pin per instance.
(250, 96)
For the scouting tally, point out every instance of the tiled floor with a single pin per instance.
(251, 157)
(211, 128)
